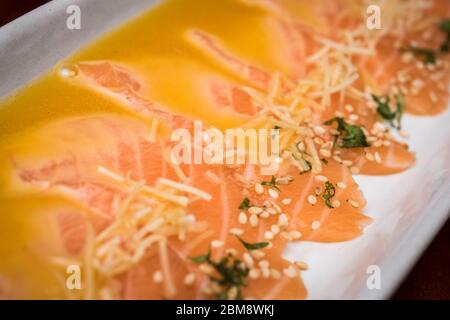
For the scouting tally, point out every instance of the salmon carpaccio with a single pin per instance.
(88, 177)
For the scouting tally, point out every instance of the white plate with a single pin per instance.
(408, 208)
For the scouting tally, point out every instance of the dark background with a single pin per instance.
(430, 277)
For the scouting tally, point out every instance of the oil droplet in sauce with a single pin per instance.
(68, 71)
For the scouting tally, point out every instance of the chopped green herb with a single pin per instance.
(351, 136)
(328, 194)
(445, 27)
(232, 273)
(202, 258)
(427, 55)
(245, 204)
(385, 111)
(253, 246)
(272, 183)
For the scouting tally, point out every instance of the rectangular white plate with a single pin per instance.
(408, 208)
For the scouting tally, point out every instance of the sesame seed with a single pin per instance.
(290, 272)
(206, 268)
(315, 225)
(295, 234)
(248, 260)
(157, 276)
(236, 231)
(286, 201)
(255, 210)
(254, 274)
(312, 199)
(273, 193)
(353, 117)
(265, 214)
(265, 273)
(217, 243)
(283, 220)
(319, 130)
(264, 264)
(301, 146)
(347, 163)
(275, 229)
(286, 235)
(336, 203)
(257, 254)
(232, 293)
(272, 211)
(321, 178)
(377, 157)
(268, 235)
(242, 218)
(349, 108)
(189, 279)
(353, 203)
(341, 185)
(325, 152)
(369, 156)
(276, 207)
(302, 265)
(254, 220)
(259, 189)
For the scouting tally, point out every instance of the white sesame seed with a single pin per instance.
(275, 229)
(302, 265)
(268, 235)
(377, 157)
(232, 293)
(349, 108)
(369, 156)
(325, 152)
(257, 254)
(265, 273)
(254, 273)
(254, 220)
(336, 203)
(276, 207)
(353, 203)
(290, 272)
(286, 201)
(273, 193)
(283, 220)
(341, 185)
(265, 214)
(255, 210)
(157, 276)
(321, 178)
(259, 188)
(319, 130)
(347, 163)
(353, 117)
(295, 234)
(206, 268)
(264, 264)
(312, 199)
(248, 260)
(189, 279)
(236, 231)
(242, 218)
(272, 211)
(315, 225)
(217, 243)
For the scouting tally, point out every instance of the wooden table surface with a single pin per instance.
(430, 277)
